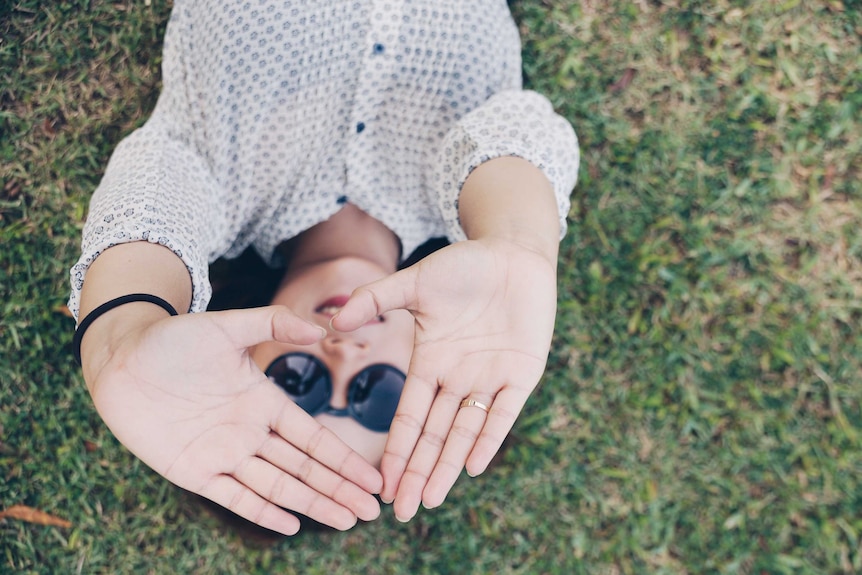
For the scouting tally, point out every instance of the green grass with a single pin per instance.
(702, 410)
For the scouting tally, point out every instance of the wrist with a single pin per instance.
(131, 268)
(526, 239)
(110, 330)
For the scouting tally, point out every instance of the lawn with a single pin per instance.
(702, 408)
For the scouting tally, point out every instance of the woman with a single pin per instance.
(334, 137)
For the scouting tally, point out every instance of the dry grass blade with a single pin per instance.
(30, 515)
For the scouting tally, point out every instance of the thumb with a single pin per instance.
(397, 291)
(249, 327)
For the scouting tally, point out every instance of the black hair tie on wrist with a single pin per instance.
(108, 306)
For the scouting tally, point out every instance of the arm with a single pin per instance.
(184, 396)
(485, 315)
(182, 393)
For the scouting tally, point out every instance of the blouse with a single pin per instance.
(275, 113)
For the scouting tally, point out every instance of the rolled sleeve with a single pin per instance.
(518, 123)
(155, 189)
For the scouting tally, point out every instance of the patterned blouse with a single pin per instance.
(275, 113)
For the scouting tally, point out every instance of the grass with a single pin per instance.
(702, 409)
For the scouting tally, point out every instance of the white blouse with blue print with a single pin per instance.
(274, 113)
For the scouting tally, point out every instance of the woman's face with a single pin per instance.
(316, 292)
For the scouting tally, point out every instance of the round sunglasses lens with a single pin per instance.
(303, 378)
(374, 396)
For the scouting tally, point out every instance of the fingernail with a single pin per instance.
(402, 520)
(387, 501)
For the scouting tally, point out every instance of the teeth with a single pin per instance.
(330, 309)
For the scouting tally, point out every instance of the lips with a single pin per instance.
(333, 305)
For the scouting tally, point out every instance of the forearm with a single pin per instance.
(511, 199)
(136, 267)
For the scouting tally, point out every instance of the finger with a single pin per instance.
(249, 327)
(504, 411)
(460, 442)
(284, 490)
(303, 431)
(407, 425)
(233, 495)
(319, 477)
(396, 291)
(426, 454)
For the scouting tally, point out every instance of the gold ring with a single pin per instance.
(473, 403)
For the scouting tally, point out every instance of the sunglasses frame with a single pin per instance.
(326, 406)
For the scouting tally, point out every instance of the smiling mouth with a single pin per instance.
(332, 306)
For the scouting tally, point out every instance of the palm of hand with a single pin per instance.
(187, 399)
(484, 317)
(484, 313)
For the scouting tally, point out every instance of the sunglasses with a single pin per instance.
(372, 395)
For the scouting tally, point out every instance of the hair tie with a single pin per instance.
(108, 306)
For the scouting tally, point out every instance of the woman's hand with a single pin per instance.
(484, 313)
(184, 396)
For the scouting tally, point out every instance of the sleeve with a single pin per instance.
(157, 188)
(511, 123)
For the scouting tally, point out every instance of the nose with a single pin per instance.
(345, 346)
(344, 355)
